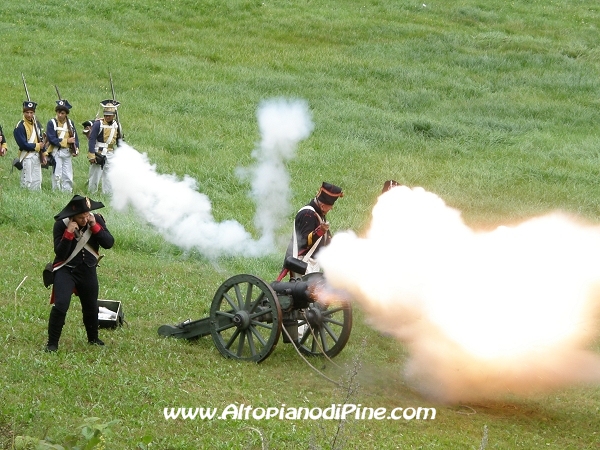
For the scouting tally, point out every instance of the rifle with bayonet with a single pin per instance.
(72, 147)
(120, 134)
(41, 138)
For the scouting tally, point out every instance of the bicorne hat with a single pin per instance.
(110, 107)
(29, 106)
(329, 193)
(78, 205)
(63, 105)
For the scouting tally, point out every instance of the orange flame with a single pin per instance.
(483, 314)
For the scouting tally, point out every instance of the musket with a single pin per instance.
(41, 139)
(114, 97)
(72, 147)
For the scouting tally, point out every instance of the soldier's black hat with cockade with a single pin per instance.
(329, 193)
(78, 205)
(29, 106)
(63, 105)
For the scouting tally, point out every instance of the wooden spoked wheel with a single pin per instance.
(324, 328)
(245, 318)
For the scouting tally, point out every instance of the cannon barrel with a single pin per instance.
(300, 293)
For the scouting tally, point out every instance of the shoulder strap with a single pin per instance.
(312, 250)
(80, 244)
(87, 246)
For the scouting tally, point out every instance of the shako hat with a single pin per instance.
(388, 185)
(329, 193)
(29, 106)
(78, 205)
(110, 107)
(63, 105)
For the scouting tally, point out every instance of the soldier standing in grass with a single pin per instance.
(63, 146)
(102, 142)
(78, 235)
(311, 229)
(32, 152)
(3, 146)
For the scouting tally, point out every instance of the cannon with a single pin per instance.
(247, 316)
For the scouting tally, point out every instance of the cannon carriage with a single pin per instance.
(248, 316)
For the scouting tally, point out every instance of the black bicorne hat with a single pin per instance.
(63, 105)
(329, 193)
(78, 205)
(29, 106)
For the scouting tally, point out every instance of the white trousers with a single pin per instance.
(63, 172)
(31, 175)
(97, 174)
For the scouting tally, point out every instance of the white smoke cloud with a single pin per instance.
(512, 311)
(282, 125)
(184, 216)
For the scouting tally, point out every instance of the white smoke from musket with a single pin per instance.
(483, 314)
(183, 216)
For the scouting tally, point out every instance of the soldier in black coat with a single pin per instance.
(75, 266)
(311, 228)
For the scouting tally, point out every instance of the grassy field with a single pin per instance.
(491, 105)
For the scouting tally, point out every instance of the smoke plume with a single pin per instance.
(183, 215)
(282, 125)
(483, 314)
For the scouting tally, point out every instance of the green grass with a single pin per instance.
(491, 105)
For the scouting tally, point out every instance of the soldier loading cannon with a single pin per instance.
(247, 316)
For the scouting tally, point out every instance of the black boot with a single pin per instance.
(55, 326)
(91, 327)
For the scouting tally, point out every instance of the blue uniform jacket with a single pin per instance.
(53, 136)
(20, 135)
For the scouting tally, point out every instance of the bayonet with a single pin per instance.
(112, 87)
(25, 85)
(114, 98)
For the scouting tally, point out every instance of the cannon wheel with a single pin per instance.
(245, 318)
(324, 328)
